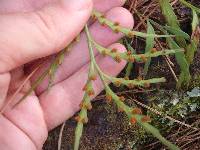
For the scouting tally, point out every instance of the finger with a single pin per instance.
(43, 32)
(105, 5)
(4, 84)
(28, 117)
(9, 132)
(63, 100)
(79, 56)
(10, 6)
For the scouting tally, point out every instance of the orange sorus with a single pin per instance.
(128, 52)
(133, 120)
(116, 29)
(88, 106)
(77, 118)
(85, 120)
(146, 119)
(146, 84)
(103, 23)
(108, 98)
(93, 17)
(116, 24)
(114, 50)
(103, 16)
(131, 85)
(143, 57)
(139, 78)
(104, 53)
(121, 98)
(117, 83)
(93, 77)
(117, 59)
(81, 105)
(130, 34)
(85, 87)
(137, 111)
(90, 92)
(126, 78)
(50, 71)
(131, 59)
(153, 50)
(77, 39)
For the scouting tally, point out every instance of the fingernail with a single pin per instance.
(77, 5)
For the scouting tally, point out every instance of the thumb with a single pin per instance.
(28, 36)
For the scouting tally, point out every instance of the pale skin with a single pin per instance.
(33, 29)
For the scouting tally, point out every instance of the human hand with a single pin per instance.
(34, 29)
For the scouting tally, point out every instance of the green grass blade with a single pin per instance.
(184, 77)
(130, 64)
(177, 32)
(191, 49)
(155, 132)
(149, 46)
(195, 20)
(193, 46)
(172, 20)
(190, 6)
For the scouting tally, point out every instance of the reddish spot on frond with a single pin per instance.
(81, 105)
(77, 118)
(143, 57)
(85, 120)
(50, 72)
(104, 53)
(128, 53)
(117, 29)
(137, 111)
(108, 98)
(131, 85)
(93, 77)
(117, 83)
(133, 120)
(90, 92)
(88, 106)
(118, 59)
(130, 34)
(153, 50)
(85, 88)
(103, 23)
(139, 78)
(116, 24)
(94, 17)
(126, 78)
(131, 59)
(103, 16)
(114, 50)
(121, 98)
(147, 84)
(146, 119)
